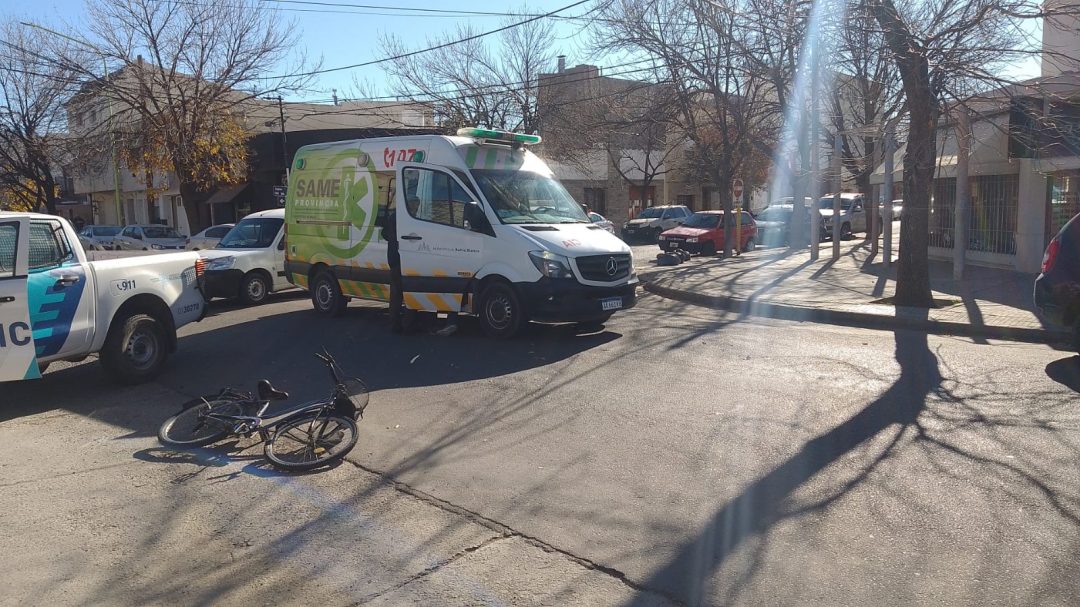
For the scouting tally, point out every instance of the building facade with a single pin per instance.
(113, 193)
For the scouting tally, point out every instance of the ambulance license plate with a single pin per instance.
(611, 303)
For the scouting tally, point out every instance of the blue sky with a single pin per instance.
(347, 36)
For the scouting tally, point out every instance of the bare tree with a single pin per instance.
(203, 62)
(32, 119)
(474, 83)
(722, 104)
(637, 129)
(943, 50)
(864, 96)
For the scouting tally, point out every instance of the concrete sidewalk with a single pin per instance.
(774, 283)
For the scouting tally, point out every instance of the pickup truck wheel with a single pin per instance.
(254, 289)
(845, 232)
(501, 312)
(135, 348)
(750, 245)
(326, 295)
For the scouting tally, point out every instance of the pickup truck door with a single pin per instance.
(439, 253)
(18, 359)
(61, 301)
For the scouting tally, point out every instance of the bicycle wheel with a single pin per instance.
(192, 428)
(311, 441)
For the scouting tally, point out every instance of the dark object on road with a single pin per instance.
(301, 437)
(668, 259)
(1057, 288)
(683, 253)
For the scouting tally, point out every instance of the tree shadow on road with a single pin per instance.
(763, 504)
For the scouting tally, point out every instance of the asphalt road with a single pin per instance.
(709, 459)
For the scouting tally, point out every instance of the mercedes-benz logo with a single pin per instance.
(612, 266)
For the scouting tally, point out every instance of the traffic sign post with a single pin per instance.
(280, 193)
(737, 193)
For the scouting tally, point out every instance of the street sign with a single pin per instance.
(737, 189)
(280, 192)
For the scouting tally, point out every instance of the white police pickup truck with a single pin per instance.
(56, 305)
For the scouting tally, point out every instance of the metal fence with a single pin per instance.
(1064, 201)
(992, 213)
(942, 212)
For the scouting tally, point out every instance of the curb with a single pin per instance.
(906, 318)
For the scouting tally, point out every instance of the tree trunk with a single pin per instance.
(192, 198)
(913, 272)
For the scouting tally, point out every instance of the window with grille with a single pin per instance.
(943, 212)
(992, 212)
(596, 199)
(9, 238)
(1064, 201)
(48, 246)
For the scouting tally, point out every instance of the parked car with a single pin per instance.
(703, 232)
(1057, 288)
(601, 221)
(208, 238)
(99, 238)
(56, 305)
(772, 225)
(249, 262)
(897, 210)
(652, 221)
(852, 214)
(149, 237)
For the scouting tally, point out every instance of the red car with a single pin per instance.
(703, 232)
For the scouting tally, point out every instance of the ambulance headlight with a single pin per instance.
(551, 265)
(221, 263)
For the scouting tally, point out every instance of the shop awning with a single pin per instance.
(229, 193)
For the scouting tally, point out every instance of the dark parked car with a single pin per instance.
(1057, 289)
(772, 225)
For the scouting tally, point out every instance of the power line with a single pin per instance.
(433, 48)
(404, 10)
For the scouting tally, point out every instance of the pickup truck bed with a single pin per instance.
(126, 309)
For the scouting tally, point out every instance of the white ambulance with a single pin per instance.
(483, 227)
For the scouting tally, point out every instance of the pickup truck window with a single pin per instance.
(48, 245)
(9, 236)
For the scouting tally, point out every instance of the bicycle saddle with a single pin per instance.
(268, 392)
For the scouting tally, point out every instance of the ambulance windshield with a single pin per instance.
(527, 197)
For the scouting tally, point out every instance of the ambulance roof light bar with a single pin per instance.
(499, 136)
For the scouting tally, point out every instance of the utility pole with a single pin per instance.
(887, 195)
(284, 141)
(815, 168)
(836, 219)
(963, 156)
(108, 100)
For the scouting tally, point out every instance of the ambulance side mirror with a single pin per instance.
(476, 220)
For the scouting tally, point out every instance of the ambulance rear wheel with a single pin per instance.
(501, 312)
(326, 295)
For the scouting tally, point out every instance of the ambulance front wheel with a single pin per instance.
(326, 295)
(501, 312)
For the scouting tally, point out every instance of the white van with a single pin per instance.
(483, 227)
(249, 262)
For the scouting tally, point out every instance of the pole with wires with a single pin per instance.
(284, 140)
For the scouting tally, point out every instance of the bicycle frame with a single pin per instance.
(245, 425)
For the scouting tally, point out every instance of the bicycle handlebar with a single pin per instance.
(335, 375)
